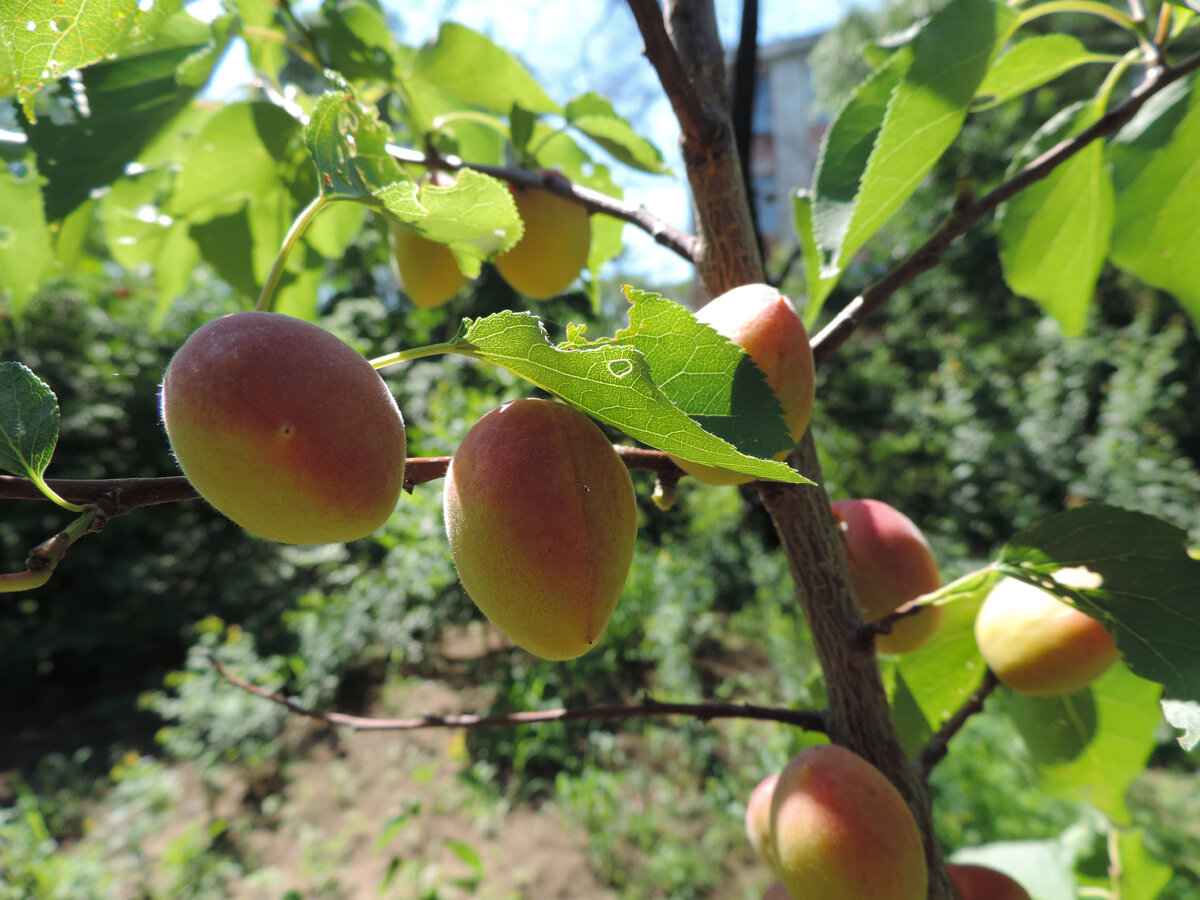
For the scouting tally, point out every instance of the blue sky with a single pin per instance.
(574, 45)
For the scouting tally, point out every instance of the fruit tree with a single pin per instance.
(450, 162)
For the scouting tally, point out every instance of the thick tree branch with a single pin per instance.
(680, 242)
(970, 210)
(809, 720)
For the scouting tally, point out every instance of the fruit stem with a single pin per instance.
(267, 296)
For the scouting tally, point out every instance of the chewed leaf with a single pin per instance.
(612, 383)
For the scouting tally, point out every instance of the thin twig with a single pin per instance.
(927, 256)
(679, 242)
(938, 746)
(809, 720)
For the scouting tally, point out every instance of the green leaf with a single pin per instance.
(468, 65)
(28, 421)
(1054, 235)
(1156, 235)
(1184, 714)
(611, 383)
(1031, 63)
(1091, 745)
(258, 19)
(948, 669)
(817, 287)
(45, 39)
(705, 375)
(869, 167)
(911, 723)
(25, 248)
(128, 102)
(356, 41)
(1148, 589)
(349, 147)
(1139, 876)
(594, 116)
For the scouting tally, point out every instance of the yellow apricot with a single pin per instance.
(1039, 645)
(284, 428)
(841, 831)
(765, 325)
(553, 248)
(426, 269)
(542, 520)
(981, 883)
(758, 819)
(890, 564)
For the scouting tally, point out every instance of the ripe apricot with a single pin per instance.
(981, 883)
(765, 325)
(841, 831)
(553, 248)
(1037, 644)
(890, 564)
(541, 516)
(426, 269)
(284, 428)
(758, 819)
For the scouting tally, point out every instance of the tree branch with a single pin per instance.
(937, 748)
(809, 720)
(970, 210)
(679, 242)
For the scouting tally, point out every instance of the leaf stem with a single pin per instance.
(1090, 7)
(267, 296)
(51, 494)
(400, 356)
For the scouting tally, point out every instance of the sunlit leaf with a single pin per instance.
(1184, 714)
(25, 247)
(594, 116)
(1031, 63)
(28, 421)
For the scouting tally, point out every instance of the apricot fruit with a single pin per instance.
(553, 248)
(758, 819)
(284, 428)
(981, 883)
(765, 325)
(426, 269)
(1039, 645)
(890, 564)
(776, 892)
(841, 831)
(542, 520)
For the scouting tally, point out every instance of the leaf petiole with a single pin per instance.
(267, 295)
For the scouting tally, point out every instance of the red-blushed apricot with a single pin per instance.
(426, 269)
(284, 428)
(841, 831)
(758, 819)
(890, 564)
(776, 892)
(981, 883)
(763, 322)
(552, 250)
(542, 520)
(1037, 644)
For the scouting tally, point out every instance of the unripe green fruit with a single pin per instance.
(542, 520)
(284, 428)
(553, 248)
(1037, 644)
(427, 270)
(765, 325)
(982, 883)
(758, 820)
(890, 564)
(841, 831)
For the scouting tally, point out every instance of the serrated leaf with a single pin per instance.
(949, 668)
(927, 87)
(25, 248)
(45, 39)
(1030, 63)
(468, 65)
(1091, 745)
(1184, 714)
(357, 42)
(611, 383)
(1148, 589)
(1156, 235)
(817, 286)
(349, 147)
(705, 375)
(28, 421)
(594, 116)
(128, 103)
(1055, 234)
